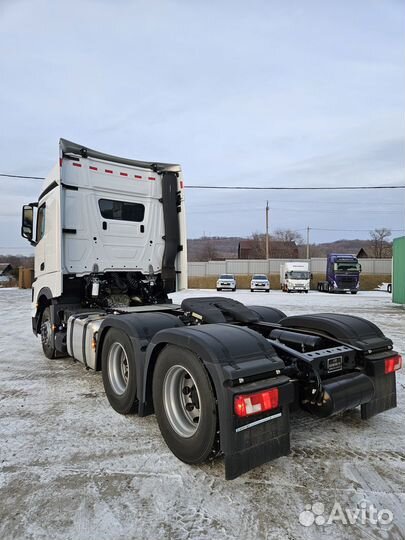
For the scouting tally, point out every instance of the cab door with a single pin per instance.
(40, 251)
(47, 249)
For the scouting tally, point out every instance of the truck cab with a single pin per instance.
(107, 232)
(295, 277)
(342, 274)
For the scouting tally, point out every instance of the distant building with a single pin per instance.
(362, 254)
(5, 272)
(251, 249)
(5, 269)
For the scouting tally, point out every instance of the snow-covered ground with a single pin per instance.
(72, 468)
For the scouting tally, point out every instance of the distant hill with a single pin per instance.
(221, 248)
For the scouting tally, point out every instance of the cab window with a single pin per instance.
(41, 222)
(121, 210)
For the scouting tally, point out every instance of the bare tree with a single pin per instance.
(288, 235)
(381, 247)
(208, 251)
(258, 246)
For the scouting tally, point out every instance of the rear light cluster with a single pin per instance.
(248, 404)
(393, 364)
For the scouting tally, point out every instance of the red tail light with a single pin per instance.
(393, 364)
(248, 404)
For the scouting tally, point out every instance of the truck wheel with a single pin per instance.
(184, 404)
(47, 335)
(234, 289)
(119, 373)
(353, 292)
(219, 289)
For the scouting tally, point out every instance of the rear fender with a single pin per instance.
(372, 348)
(357, 332)
(231, 354)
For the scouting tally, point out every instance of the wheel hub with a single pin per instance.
(181, 401)
(118, 368)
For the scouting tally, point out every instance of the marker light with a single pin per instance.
(393, 364)
(248, 404)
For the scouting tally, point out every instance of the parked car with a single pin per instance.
(226, 281)
(260, 282)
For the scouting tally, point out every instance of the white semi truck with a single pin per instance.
(295, 277)
(110, 246)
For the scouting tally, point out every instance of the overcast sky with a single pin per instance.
(282, 93)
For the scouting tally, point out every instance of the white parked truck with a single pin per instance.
(110, 246)
(295, 277)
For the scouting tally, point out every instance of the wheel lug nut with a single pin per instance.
(189, 406)
(186, 390)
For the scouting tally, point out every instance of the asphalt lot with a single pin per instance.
(72, 468)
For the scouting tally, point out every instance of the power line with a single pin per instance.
(276, 188)
(349, 230)
(21, 176)
(294, 188)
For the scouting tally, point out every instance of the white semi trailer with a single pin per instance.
(110, 246)
(295, 277)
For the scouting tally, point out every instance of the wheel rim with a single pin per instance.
(118, 368)
(181, 400)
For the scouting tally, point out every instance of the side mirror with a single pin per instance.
(27, 225)
(286, 275)
(311, 276)
(360, 268)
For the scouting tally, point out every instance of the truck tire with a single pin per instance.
(185, 404)
(119, 371)
(234, 289)
(353, 292)
(48, 346)
(219, 289)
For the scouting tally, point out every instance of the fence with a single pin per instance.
(272, 266)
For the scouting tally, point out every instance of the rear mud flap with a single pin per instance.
(385, 397)
(253, 441)
(259, 444)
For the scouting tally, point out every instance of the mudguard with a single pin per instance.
(378, 393)
(140, 328)
(217, 309)
(355, 331)
(231, 354)
(267, 314)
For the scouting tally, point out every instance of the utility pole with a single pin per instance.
(308, 244)
(267, 230)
